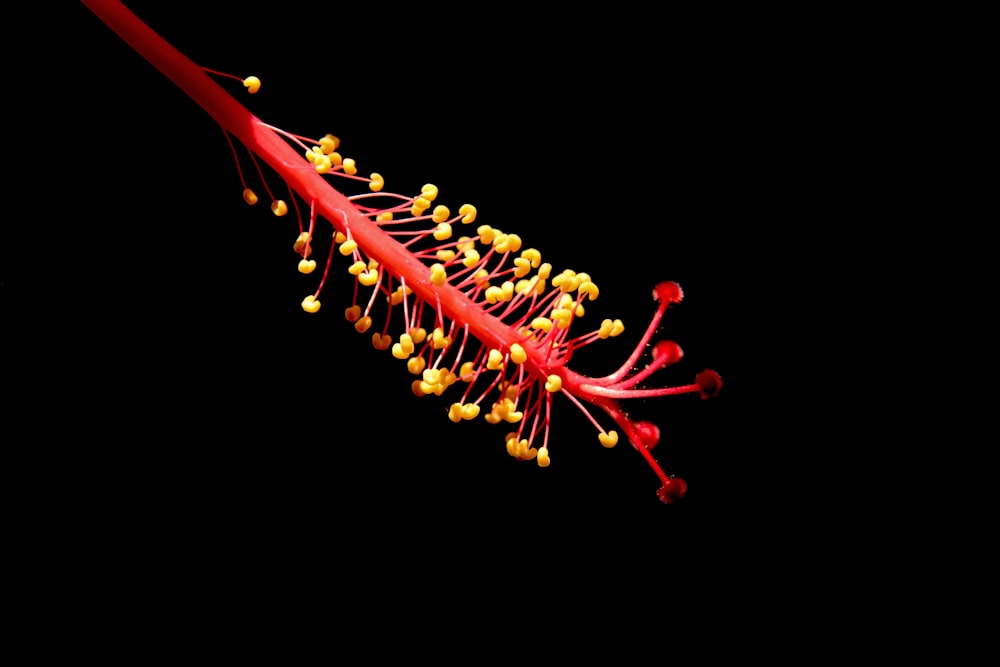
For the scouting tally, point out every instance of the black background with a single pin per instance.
(186, 406)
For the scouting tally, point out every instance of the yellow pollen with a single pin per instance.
(517, 354)
(252, 84)
(609, 440)
(468, 213)
(553, 384)
(495, 360)
(441, 213)
(438, 275)
(329, 144)
(543, 457)
(249, 196)
(310, 304)
(279, 208)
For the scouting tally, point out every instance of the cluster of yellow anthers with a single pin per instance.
(490, 268)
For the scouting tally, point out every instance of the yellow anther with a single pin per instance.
(313, 154)
(279, 207)
(525, 451)
(429, 191)
(470, 411)
(406, 341)
(381, 342)
(543, 323)
(532, 256)
(418, 334)
(590, 289)
(399, 351)
(249, 196)
(618, 328)
(329, 144)
(310, 304)
(494, 361)
(338, 237)
(416, 365)
(517, 354)
(356, 268)
(471, 258)
(350, 167)
(384, 216)
(544, 270)
(605, 330)
(336, 159)
(525, 287)
(468, 213)
(438, 275)
(301, 245)
(252, 84)
(512, 444)
(455, 412)
(363, 324)
(562, 317)
(420, 204)
(567, 281)
(466, 371)
(553, 383)
(441, 213)
(376, 185)
(507, 243)
(565, 301)
(487, 234)
(432, 375)
(417, 387)
(323, 164)
(439, 340)
(372, 264)
(609, 440)
(443, 231)
(307, 266)
(494, 294)
(368, 278)
(348, 247)
(445, 255)
(352, 314)
(398, 295)
(511, 394)
(543, 457)
(521, 267)
(508, 290)
(482, 277)
(579, 311)
(512, 417)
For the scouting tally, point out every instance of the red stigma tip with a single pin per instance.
(668, 292)
(647, 433)
(669, 348)
(673, 489)
(710, 383)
